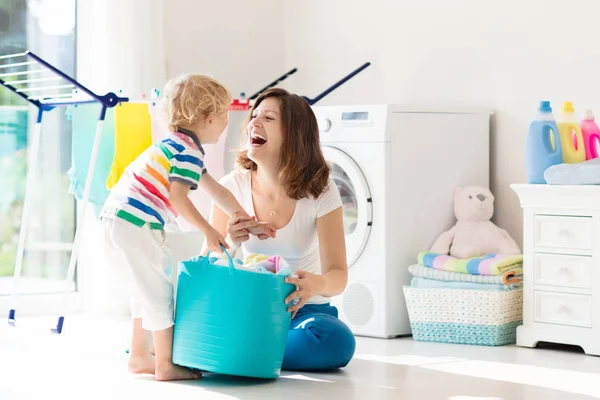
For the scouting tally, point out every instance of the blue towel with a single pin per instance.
(584, 173)
(85, 120)
(435, 284)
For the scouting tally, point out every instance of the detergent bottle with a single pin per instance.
(543, 148)
(571, 139)
(591, 135)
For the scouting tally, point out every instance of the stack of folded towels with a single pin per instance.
(489, 272)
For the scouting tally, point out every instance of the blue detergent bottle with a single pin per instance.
(543, 148)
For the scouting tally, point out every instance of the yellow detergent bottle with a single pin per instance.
(571, 139)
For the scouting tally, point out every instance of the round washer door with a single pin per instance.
(356, 200)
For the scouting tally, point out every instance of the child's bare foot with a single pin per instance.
(142, 364)
(151, 344)
(174, 372)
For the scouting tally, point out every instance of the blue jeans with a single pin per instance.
(318, 340)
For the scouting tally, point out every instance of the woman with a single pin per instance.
(283, 179)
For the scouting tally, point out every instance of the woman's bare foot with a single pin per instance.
(144, 364)
(174, 372)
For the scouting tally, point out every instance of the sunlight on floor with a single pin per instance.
(406, 359)
(559, 379)
(304, 378)
(473, 398)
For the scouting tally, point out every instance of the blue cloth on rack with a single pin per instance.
(84, 123)
(8, 165)
(584, 173)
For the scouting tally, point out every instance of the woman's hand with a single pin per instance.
(307, 286)
(237, 228)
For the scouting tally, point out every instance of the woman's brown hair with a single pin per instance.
(303, 169)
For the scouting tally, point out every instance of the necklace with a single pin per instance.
(272, 210)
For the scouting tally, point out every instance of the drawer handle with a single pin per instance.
(562, 309)
(564, 233)
(564, 270)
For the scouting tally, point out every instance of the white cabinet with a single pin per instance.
(561, 254)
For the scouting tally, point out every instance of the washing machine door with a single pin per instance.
(356, 201)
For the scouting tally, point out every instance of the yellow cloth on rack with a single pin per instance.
(133, 135)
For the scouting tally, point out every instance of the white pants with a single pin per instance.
(140, 258)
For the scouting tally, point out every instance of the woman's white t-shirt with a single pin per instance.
(297, 243)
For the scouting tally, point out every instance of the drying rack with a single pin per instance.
(274, 83)
(46, 87)
(320, 96)
(336, 85)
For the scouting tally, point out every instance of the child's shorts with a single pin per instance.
(140, 258)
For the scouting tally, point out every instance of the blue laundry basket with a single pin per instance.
(230, 321)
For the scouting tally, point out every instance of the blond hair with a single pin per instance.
(192, 96)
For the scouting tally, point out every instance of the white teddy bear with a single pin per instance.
(474, 235)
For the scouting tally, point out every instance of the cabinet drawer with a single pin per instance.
(564, 271)
(563, 232)
(563, 309)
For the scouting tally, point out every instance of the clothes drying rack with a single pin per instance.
(320, 96)
(22, 73)
(336, 85)
(274, 83)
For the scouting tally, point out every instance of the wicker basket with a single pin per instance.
(464, 316)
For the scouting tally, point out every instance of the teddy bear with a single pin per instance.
(474, 234)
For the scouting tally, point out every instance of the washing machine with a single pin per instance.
(396, 169)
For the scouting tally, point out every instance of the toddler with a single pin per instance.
(154, 190)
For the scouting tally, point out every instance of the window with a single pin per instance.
(47, 28)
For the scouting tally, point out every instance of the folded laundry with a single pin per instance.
(432, 283)
(490, 264)
(514, 275)
(584, 173)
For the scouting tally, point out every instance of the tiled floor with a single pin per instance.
(87, 362)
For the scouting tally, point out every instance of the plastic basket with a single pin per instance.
(479, 317)
(230, 321)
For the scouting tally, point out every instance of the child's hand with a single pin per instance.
(214, 241)
(263, 231)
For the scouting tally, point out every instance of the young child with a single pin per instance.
(154, 190)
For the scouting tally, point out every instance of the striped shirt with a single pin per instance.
(142, 194)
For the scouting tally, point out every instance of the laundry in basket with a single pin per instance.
(259, 263)
(230, 321)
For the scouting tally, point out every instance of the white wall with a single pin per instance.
(135, 45)
(238, 42)
(120, 45)
(506, 55)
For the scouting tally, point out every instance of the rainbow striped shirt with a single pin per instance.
(142, 194)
